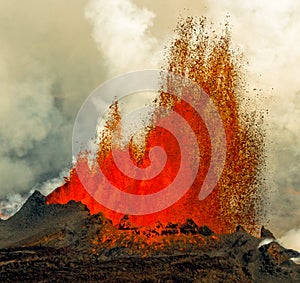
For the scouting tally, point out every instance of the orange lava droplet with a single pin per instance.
(210, 62)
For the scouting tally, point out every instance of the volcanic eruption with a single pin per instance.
(70, 236)
(209, 61)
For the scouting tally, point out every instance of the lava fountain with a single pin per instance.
(208, 60)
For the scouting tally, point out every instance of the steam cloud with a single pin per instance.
(53, 55)
(122, 33)
(291, 239)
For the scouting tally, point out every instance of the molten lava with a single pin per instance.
(210, 62)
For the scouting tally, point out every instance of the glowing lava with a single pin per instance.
(212, 64)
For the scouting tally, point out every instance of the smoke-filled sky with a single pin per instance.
(53, 53)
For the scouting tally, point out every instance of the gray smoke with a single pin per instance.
(48, 65)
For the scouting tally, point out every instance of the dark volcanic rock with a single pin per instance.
(36, 222)
(265, 233)
(240, 228)
(189, 227)
(205, 230)
(64, 243)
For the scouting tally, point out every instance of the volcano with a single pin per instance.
(70, 236)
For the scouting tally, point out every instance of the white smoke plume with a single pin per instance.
(11, 203)
(291, 239)
(122, 33)
(27, 117)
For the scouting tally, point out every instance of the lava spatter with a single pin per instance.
(198, 54)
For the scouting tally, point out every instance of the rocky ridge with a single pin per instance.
(64, 243)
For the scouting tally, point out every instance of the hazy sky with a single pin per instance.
(53, 53)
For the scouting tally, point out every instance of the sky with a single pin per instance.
(54, 53)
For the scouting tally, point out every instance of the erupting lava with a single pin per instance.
(209, 61)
